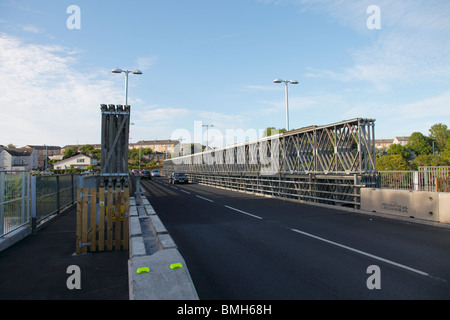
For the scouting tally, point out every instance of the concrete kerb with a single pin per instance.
(161, 282)
(14, 237)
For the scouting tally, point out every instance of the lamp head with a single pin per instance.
(117, 70)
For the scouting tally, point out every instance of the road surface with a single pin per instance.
(240, 246)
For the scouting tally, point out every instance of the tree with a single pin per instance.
(398, 149)
(420, 144)
(440, 134)
(392, 162)
(446, 151)
(430, 160)
(70, 152)
(271, 131)
(86, 149)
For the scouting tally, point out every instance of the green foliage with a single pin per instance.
(86, 149)
(430, 160)
(393, 162)
(398, 149)
(271, 131)
(70, 152)
(440, 134)
(420, 144)
(418, 152)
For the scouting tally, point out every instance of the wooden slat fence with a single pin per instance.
(102, 219)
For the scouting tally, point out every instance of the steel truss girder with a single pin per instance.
(327, 164)
(346, 147)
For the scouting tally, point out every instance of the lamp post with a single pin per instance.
(207, 126)
(118, 70)
(277, 80)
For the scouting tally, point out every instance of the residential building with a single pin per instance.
(403, 141)
(163, 146)
(44, 153)
(18, 159)
(386, 143)
(80, 161)
(383, 143)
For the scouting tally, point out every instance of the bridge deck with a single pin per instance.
(36, 267)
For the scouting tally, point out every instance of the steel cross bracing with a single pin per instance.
(318, 163)
(115, 133)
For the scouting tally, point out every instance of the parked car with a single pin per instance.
(145, 174)
(46, 173)
(87, 172)
(135, 171)
(178, 177)
(155, 173)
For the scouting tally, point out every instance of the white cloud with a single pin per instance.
(46, 100)
(434, 106)
(146, 62)
(411, 46)
(31, 28)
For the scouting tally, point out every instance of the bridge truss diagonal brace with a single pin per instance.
(115, 136)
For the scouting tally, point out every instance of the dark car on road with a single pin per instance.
(178, 177)
(145, 174)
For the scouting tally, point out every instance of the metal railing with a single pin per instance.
(422, 180)
(51, 194)
(14, 200)
(26, 199)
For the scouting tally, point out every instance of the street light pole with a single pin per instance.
(277, 80)
(118, 70)
(207, 126)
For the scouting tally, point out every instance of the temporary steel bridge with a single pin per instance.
(326, 164)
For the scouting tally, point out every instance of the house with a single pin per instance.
(44, 153)
(18, 159)
(163, 146)
(80, 161)
(386, 143)
(403, 141)
(383, 143)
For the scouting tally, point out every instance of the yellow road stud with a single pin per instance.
(143, 270)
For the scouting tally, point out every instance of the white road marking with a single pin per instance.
(249, 214)
(185, 191)
(362, 252)
(204, 198)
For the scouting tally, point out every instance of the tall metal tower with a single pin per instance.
(115, 136)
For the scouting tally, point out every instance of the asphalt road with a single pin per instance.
(246, 247)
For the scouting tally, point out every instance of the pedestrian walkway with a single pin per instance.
(36, 267)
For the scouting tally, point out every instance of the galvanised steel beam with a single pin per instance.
(114, 139)
(345, 147)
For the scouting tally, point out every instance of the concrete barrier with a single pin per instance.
(158, 252)
(430, 206)
(444, 207)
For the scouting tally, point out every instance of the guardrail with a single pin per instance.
(422, 180)
(26, 199)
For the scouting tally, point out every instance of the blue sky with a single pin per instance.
(214, 62)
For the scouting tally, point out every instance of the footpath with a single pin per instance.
(36, 268)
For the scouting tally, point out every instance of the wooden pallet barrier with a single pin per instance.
(102, 219)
